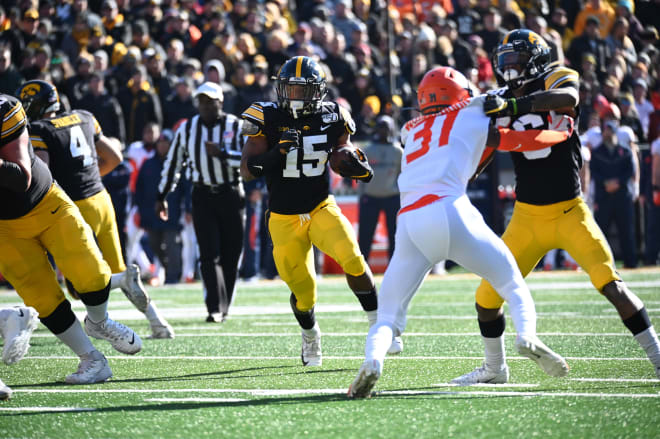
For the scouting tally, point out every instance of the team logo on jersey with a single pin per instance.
(306, 128)
(329, 118)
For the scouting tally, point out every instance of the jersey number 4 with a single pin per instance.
(79, 146)
(434, 131)
(313, 159)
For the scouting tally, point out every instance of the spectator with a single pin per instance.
(381, 194)
(618, 40)
(214, 71)
(162, 81)
(653, 204)
(611, 169)
(105, 107)
(590, 42)
(180, 104)
(262, 89)
(601, 11)
(492, 32)
(466, 18)
(114, 22)
(139, 104)
(345, 20)
(642, 104)
(10, 77)
(164, 236)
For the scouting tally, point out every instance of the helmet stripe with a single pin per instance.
(299, 66)
(506, 38)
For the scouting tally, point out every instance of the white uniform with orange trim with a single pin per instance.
(437, 221)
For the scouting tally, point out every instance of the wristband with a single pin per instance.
(261, 164)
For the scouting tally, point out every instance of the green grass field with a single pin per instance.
(244, 378)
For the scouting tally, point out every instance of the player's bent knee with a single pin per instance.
(355, 266)
(487, 298)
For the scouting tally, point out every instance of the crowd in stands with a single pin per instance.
(135, 64)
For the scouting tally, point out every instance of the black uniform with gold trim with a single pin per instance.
(302, 182)
(70, 140)
(15, 205)
(549, 212)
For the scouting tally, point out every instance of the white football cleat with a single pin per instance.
(121, 337)
(161, 330)
(396, 347)
(17, 330)
(131, 285)
(365, 380)
(531, 347)
(483, 374)
(93, 368)
(5, 391)
(311, 349)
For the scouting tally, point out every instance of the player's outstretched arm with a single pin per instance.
(562, 99)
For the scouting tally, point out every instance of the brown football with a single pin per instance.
(339, 154)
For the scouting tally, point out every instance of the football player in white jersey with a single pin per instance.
(437, 221)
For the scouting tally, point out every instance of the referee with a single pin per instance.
(209, 146)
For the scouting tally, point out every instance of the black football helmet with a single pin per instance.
(38, 98)
(301, 86)
(522, 56)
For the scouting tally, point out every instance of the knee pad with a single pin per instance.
(355, 266)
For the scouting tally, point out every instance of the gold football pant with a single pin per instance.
(568, 225)
(99, 213)
(54, 225)
(293, 235)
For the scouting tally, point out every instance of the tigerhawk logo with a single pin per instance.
(30, 90)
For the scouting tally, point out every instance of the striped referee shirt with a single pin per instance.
(188, 151)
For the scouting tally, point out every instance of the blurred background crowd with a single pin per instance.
(135, 64)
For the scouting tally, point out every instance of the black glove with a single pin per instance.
(356, 167)
(290, 139)
(496, 106)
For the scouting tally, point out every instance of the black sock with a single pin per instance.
(639, 322)
(368, 299)
(61, 319)
(306, 319)
(494, 328)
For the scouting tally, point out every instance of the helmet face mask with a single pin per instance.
(522, 57)
(301, 86)
(38, 98)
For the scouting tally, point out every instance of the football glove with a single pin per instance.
(290, 139)
(496, 106)
(356, 167)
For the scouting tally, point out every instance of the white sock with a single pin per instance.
(648, 340)
(372, 316)
(115, 280)
(75, 338)
(152, 313)
(521, 306)
(312, 332)
(379, 341)
(494, 352)
(97, 313)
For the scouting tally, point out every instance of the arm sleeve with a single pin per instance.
(173, 163)
(529, 140)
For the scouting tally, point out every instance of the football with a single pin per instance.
(339, 154)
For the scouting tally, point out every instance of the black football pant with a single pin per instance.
(218, 218)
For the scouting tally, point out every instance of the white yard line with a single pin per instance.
(195, 400)
(615, 380)
(45, 409)
(290, 392)
(325, 357)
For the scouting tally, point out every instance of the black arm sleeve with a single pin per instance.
(265, 163)
(12, 177)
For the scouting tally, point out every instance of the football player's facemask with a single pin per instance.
(522, 56)
(38, 98)
(301, 86)
(440, 88)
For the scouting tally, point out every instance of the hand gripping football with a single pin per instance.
(349, 161)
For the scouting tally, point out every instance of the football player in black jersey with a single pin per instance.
(78, 155)
(289, 143)
(37, 216)
(549, 212)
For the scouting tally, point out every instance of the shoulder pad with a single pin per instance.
(345, 115)
(561, 76)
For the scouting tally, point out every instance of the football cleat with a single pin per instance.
(365, 380)
(311, 349)
(93, 368)
(17, 330)
(161, 330)
(121, 337)
(396, 347)
(5, 391)
(483, 375)
(131, 285)
(531, 347)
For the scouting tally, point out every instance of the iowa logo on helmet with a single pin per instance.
(30, 90)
